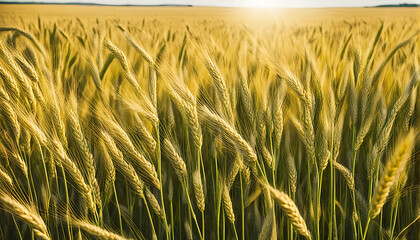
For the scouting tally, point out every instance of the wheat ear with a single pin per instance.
(246, 97)
(27, 214)
(20, 77)
(96, 230)
(291, 172)
(176, 161)
(28, 36)
(198, 190)
(27, 69)
(220, 84)
(5, 178)
(152, 71)
(87, 156)
(74, 172)
(58, 123)
(394, 165)
(227, 204)
(13, 153)
(292, 212)
(122, 166)
(9, 82)
(188, 231)
(10, 115)
(153, 202)
(185, 103)
(145, 135)
(363, 131)
(346, 173)
(236, 166)
(124, 142)
(278, 113)
(219, 125)
(122, 59)
(109, 173)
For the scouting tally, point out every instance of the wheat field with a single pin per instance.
(207, 123)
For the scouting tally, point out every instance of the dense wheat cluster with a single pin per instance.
(190, 127)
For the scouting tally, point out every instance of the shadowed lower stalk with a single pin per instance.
(332, 215)
(353, 166)
(191, 208)
(158, 152)
(242, 208)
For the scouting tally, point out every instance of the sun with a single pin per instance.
(261, 3)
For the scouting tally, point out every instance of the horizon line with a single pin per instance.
(191, 5)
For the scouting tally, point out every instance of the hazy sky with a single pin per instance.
(244, 3)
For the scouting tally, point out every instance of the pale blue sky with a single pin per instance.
(244, 3)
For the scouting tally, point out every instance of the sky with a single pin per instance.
(241, 3)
